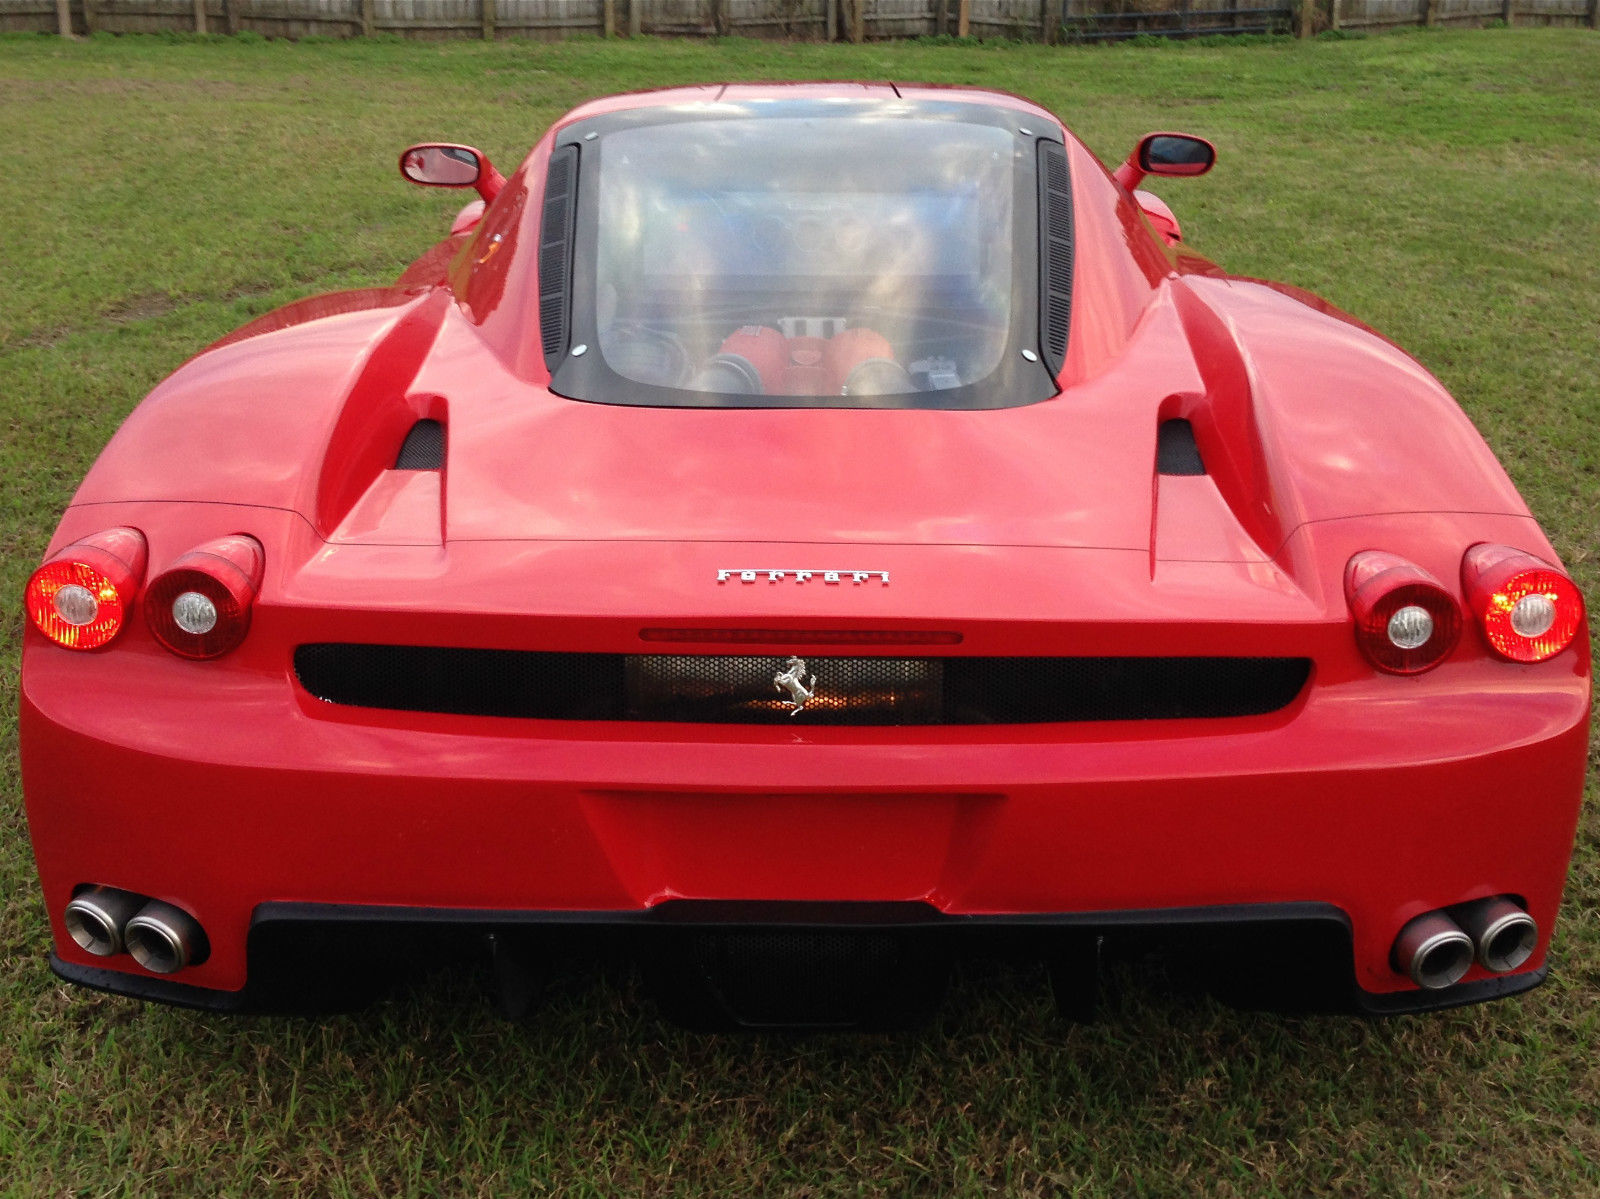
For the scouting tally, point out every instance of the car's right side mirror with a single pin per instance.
(1174, 155)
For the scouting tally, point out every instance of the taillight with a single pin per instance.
(81, 598)
(1405, 621)
(200, 606)
(1528, 609)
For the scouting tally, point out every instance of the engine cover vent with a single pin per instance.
(1055, 253)
(555, 252)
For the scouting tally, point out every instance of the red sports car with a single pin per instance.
(805, 532)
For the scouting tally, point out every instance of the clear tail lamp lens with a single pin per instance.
(1406, 622)
(200, 607)
(81, 597)
(1528, 609)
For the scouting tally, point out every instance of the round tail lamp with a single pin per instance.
(81, 598)
(200, 606)
(1528, 610)
(1406, 622)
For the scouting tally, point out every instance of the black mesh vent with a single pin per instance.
(423, 448)
(467, 682)
(740, 689)
(555, 251)
(1176, 452)
(1055, 252)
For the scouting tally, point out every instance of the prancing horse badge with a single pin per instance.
(793, 681)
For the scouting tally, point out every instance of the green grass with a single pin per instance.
(158, 192)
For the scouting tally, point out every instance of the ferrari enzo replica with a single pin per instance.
(801, 533)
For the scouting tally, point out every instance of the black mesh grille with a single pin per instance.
(555, 250)
(1055, 257)
(1176, 451)
(741, 689)
(423, 448)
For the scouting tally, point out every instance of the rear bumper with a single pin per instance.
(310, 933)
(1372, 798)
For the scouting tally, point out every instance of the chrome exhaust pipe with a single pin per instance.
(1504, 934)
(95, 918)
(164, 939)
(1433, 950)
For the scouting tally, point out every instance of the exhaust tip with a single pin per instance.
(1433, 951)
(164, 939)
(96, 918)
(1505, 935)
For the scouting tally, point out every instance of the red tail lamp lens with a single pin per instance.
(200, 607)
(1529, 610)
(80, 599)
(1406, 622)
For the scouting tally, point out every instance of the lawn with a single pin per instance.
(1441, 186)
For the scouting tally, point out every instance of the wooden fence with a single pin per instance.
(813, 20)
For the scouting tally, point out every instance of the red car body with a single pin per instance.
(226, 788)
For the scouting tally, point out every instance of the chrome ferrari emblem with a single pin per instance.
(792, 681)
(830, 577)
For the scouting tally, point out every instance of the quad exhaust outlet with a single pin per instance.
(1436, 949)
(95, 918)
(106, 921)
(1504, 934)
(1433, 950)
(164, 939)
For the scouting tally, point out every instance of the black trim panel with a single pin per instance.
(156, 990)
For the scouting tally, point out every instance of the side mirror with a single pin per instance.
(1173, 155)
(442, 164)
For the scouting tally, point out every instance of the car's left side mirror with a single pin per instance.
(1174, 155)
(443, 164)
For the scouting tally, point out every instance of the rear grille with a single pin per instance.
(740, 689)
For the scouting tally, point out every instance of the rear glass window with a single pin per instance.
(805, 256)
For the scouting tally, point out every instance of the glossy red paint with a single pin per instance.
(1160, 216)
(1038, 530)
